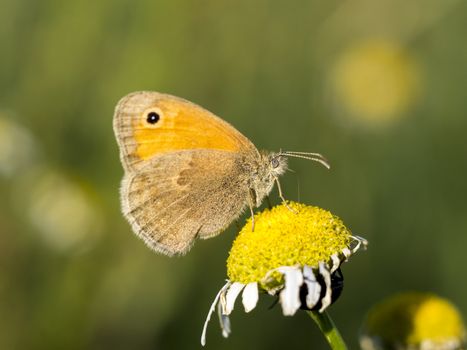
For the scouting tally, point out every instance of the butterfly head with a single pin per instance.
(277, 164)
(266, 170)
(272, 165)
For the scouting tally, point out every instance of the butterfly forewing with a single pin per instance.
(180, 125)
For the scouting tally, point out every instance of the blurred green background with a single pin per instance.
(379, 87)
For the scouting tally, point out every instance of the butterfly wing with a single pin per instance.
(182, 195)
(185, 170)
(181, 125)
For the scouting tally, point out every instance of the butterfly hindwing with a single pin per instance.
(179, 196)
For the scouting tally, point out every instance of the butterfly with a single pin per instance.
(188, 174)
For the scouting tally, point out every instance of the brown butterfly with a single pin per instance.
(188, 173)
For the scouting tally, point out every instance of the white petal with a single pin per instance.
(231, 296)
(223, 320)
(326, 300)
(360, 241)
(211, 310)
(347, 253)
(335, 262)
(314, 288)
(222, 302)
(250, 296)
(290, 295)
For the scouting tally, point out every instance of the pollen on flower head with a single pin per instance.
(306, 235)
(415, 319)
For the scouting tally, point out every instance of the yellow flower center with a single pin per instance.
(412, 318)
(281, 237)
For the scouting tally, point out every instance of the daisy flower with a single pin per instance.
(295, 252)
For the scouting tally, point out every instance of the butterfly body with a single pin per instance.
(188, 173)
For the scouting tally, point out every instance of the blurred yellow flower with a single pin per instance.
(375, 81)
(413, 320)
(294, 252)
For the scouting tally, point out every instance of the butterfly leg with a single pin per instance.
(282, 197)
(251, 200)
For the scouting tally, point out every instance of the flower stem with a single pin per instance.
(329, 329)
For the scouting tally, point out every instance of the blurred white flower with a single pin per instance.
(17, 147)
(64, 214)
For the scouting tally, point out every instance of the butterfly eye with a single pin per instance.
(274, 162)
(152, 118)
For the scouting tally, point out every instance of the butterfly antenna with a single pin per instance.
(316, 157)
